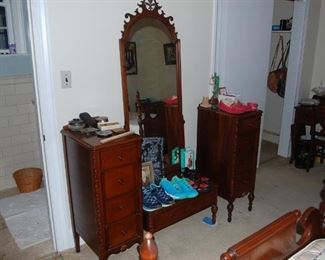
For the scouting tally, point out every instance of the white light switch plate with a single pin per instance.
(66, 79)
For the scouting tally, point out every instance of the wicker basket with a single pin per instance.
(28, 179)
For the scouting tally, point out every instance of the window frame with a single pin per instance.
(11, 39)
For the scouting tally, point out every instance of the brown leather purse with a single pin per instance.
(276, 79)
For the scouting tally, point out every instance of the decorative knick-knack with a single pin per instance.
(205, 102)
(215, 80)
(148, 248)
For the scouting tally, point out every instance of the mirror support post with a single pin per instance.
(124, 86)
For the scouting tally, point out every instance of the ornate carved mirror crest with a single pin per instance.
(149, 8)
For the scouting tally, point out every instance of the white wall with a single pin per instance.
(319, 62)
(90, 51)
(243, 56)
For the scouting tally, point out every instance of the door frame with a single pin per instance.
(53, 165)
(294, 74)
(295, 62)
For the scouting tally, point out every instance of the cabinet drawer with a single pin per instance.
(120, 156)
(249, 124)
(305, 115)
(121, 180)
(122, 231)
(246, 156)
(121, 207)
(168, 217)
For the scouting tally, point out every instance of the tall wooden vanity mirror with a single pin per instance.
(151, 75)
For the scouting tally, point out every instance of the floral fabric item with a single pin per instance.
(152, 150)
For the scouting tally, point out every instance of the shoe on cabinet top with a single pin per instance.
(164, 199)
(149, 202)
(185, 186)
(174, 191)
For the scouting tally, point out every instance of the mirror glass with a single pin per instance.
(149, 73)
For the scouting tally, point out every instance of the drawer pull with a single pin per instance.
(124, 247)
(120, 157)
(124, 232)
(121, 181)
(121, 207)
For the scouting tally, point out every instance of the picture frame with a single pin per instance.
(175, 156)
(170, 53)
(147, 173)
(131, 58)
(222, 91)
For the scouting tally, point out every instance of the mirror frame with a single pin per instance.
(150, 9)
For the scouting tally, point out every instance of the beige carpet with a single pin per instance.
(280, 188)
(269, 151)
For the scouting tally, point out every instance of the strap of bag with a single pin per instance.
(280, 42)
(284, 56)
(287, 53)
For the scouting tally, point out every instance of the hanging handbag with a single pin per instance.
(272, 79)
(282, 73)
(277, 78)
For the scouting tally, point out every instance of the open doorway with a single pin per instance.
(19, 138)
(280, 41)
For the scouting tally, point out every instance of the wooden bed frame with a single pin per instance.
(278, 239)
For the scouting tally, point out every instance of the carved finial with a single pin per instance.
(149, 8)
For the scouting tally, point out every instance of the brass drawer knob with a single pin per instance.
(121, 181)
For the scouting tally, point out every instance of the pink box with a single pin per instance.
(252, 105)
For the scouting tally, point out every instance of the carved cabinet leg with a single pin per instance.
(230, 208)
(251, 197)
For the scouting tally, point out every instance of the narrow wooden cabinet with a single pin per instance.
(104, 182)
(227, 147)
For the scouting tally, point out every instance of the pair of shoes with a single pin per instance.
(178, 188)
(149, 202)
(154, 197)
(201, 184)
(161, 195)
(191, 174)
(185, 186)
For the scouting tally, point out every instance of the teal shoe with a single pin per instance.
(185, 186)
(174, 191)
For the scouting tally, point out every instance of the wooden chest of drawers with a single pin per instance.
(104, 182)
(227, 147)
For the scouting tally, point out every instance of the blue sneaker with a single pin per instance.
(173, 191)
(149, 202)
(161, 195)
(185, 186)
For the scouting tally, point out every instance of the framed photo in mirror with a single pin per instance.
(170, 53)
(147, 173)
(131, 58)
(222, 91)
